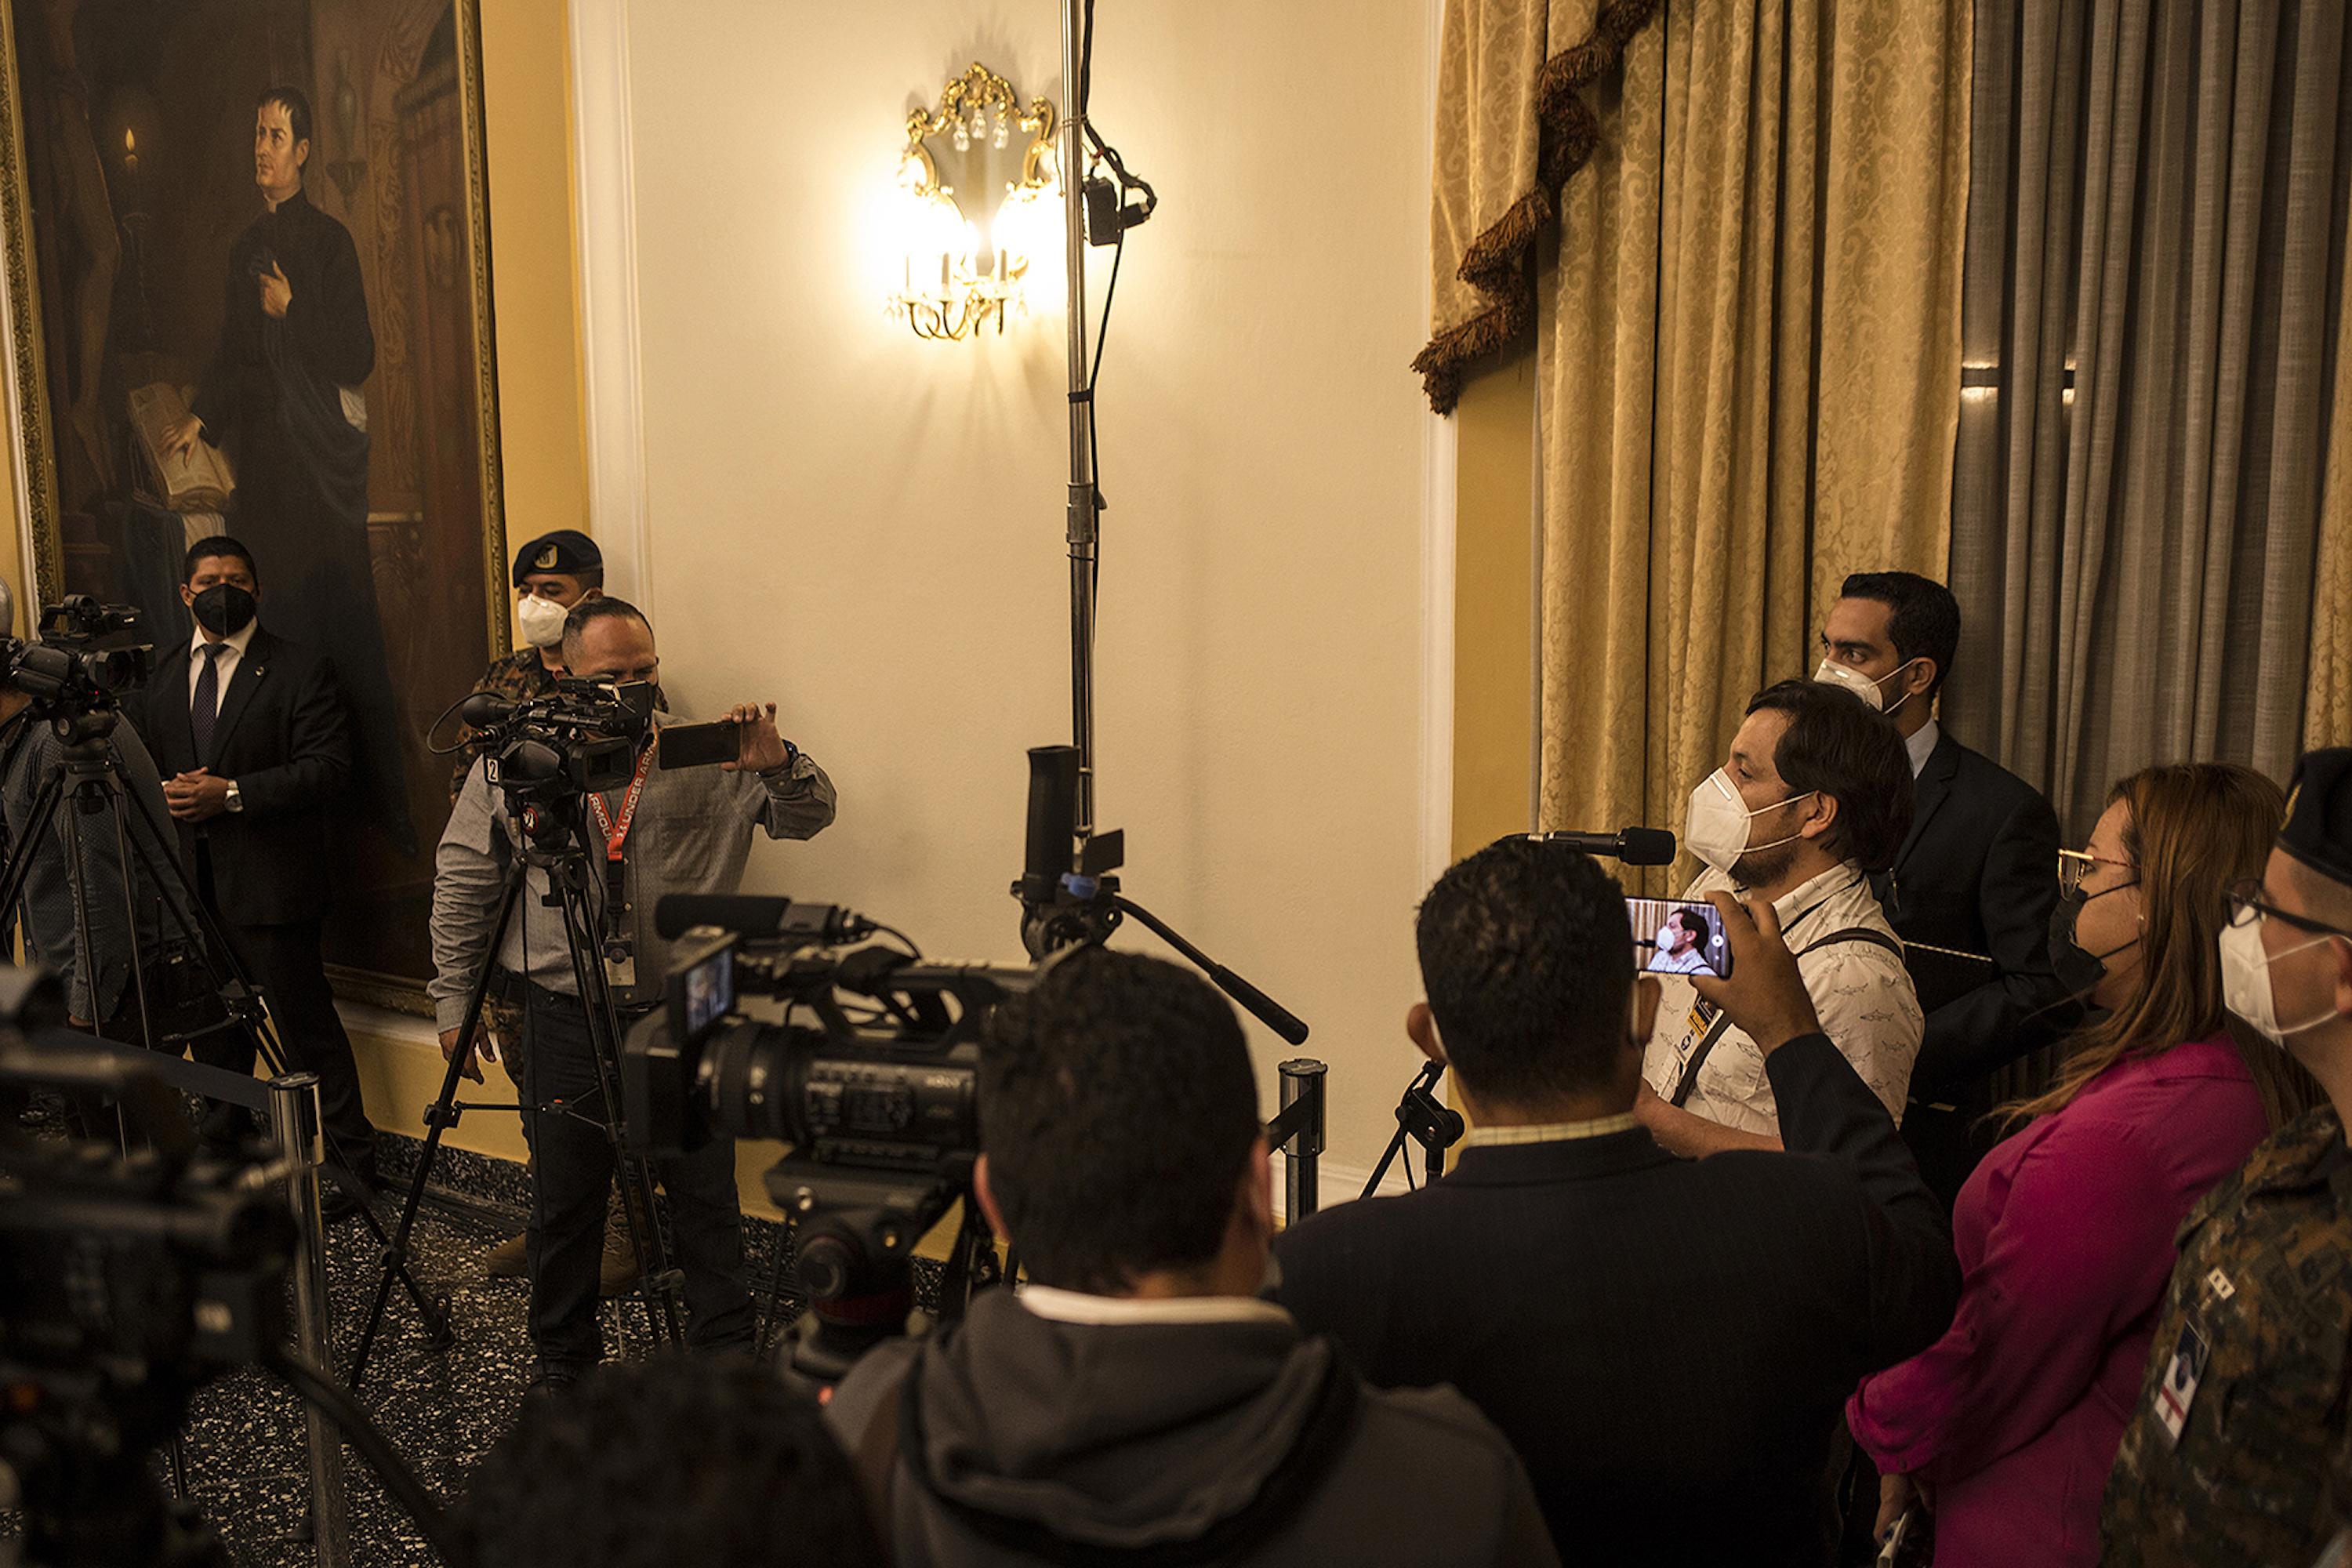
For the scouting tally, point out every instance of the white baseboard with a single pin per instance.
(383, 1023)
(1337, 1184)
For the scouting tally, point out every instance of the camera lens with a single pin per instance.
(793, 1086)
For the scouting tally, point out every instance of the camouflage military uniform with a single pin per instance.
(2265, 1286)
(519, 674)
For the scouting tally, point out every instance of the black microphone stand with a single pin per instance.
(1428, 1121)
(1062, 907)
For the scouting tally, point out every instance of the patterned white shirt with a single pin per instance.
(1860, 991)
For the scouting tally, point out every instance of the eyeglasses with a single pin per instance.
(2073, 865)
(2247, 905)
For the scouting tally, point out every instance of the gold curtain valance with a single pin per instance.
(1512, 127)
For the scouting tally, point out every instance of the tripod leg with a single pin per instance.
(28, 843)
(785, 1236)
(636, 1177)
(131, 919)
(440, 1116)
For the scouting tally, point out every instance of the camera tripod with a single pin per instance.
(552, 840)
(89, 774)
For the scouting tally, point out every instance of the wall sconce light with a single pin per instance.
(956, 276)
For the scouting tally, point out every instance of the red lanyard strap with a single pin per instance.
(617, 833)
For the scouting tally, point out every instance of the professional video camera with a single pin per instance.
(871, 1075)
(88, 657)
(580, 738)
(126, 1282)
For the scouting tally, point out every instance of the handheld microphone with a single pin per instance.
(1633, 845)
(759, 919)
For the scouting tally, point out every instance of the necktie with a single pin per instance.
(205, 709)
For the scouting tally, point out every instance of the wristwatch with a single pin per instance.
(783, 771)
(235, 801)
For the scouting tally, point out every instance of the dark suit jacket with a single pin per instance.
(1977, 873)
(1668, 1343)
(284, 736)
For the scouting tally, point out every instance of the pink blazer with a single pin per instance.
(2065, 1241)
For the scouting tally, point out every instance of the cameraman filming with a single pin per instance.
(682, 831)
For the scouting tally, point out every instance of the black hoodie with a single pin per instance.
(1235, 1440)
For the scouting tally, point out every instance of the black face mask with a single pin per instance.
(2078, 971)
(224, 609)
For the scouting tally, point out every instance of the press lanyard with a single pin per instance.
(1707, 1022)
(616, 834)
(616, 839)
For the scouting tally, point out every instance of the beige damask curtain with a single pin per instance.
(1512, 127)
(1749, 368)
(2327, 708)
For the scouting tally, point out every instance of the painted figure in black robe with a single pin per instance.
(282, 398)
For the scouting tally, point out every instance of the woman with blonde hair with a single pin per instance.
(2009, 1425)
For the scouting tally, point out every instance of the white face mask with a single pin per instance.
(1831, 673)
(2246, 980)
(541, 621)
(1716, 827)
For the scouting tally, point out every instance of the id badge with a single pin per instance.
(620, 963)
(2179, 1390)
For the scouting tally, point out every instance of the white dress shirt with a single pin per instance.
(1120, 1311)
(1921, 744)
(1860, 991)
(226, 662)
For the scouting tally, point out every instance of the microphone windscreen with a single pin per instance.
(483, 710)
(1646, 846)
(1052, 821)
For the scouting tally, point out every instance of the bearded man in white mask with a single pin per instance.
(1814, 797)
(1970, 892)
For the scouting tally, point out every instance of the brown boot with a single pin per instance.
(619, 1273)
(509, 1259)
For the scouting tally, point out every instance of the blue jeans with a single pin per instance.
(571, 1189)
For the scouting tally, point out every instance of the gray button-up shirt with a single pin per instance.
(692, 833)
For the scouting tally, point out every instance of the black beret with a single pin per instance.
(567, 550)
(2318, 830)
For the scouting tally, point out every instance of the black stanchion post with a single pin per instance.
(1303, 1079)
(294, 1123)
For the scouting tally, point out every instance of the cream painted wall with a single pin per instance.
(869, 528)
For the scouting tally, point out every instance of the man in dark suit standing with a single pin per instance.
(1973, 884)
(251, 735)
(1667, 1344)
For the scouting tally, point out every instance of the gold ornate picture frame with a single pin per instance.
(127, 192)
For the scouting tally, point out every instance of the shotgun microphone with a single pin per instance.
(1633, 845)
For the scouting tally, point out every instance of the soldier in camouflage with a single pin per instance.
(2237, 1450)
(551, 573)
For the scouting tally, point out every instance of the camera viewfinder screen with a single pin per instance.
(709, 991)
(1671, 937)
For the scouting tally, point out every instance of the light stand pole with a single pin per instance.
(1083, 522)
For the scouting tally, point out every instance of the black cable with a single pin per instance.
(1086, 56)
(336, 1403)
(912, 951)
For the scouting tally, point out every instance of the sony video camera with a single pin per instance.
(89, 655)
(870, 1073)
(581, 738)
